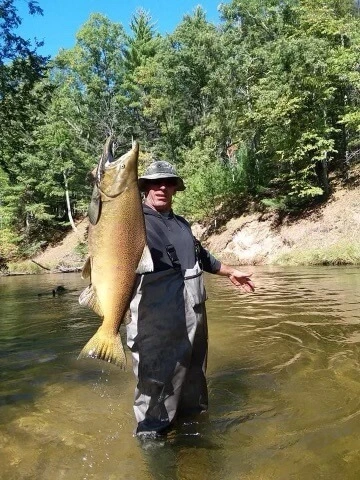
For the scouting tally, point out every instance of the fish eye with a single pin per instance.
(122, 165)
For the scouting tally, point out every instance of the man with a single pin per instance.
(167, 333)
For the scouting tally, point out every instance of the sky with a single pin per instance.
(63, 18)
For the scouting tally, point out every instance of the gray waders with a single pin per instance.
(167, 336)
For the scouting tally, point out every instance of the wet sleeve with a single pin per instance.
(209, 263)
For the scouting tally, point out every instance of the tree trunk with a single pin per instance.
(68, 205)
(321, 169)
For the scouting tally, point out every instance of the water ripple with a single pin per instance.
(283, 385)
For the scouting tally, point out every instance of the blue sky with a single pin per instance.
(63, 18)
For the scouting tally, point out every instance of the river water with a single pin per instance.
(283, 379)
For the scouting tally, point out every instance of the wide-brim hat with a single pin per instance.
(160, 169)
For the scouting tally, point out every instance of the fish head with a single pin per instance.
(115, 175)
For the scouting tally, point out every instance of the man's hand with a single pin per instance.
(242, 280)
(238, 278)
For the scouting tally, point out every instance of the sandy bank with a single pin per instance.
(327, 234)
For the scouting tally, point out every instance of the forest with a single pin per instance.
(261, 108)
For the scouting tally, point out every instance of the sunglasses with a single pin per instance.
(168, 182)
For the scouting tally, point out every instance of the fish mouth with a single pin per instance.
(113, 163)
(109, 162)
(114, 174)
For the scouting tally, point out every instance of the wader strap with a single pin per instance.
(170, 250)
(197, 252)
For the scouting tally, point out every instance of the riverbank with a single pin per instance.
(327, 234)
(67, 256)
(323, 235)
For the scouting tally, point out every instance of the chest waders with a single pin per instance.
(168, 339)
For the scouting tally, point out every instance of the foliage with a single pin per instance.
(263, 106)
(82, 249)
(8, 243)
(21, 70)
(140, 48)
(210, 185)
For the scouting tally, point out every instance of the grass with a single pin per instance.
(24, 267)
(81, 249)
(340, 253)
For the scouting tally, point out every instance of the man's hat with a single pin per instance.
(161, 169)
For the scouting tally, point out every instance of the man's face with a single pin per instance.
(159, 193)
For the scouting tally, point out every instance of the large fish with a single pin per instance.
(117, 250)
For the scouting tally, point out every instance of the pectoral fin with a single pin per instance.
(94, 209)
(86, 270)
(146, 263)
(88, 298)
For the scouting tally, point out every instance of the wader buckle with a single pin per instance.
(170, 250)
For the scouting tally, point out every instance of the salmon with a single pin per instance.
(117, 250)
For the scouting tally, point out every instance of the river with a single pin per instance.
(283, 378)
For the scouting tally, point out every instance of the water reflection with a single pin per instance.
(283, 384)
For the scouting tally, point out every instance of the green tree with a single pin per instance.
(294, 98)
(21, 69)
(93, 71)
(86, 107)
(176, 82)
(49, 178)
(140, 47)
(23, 99)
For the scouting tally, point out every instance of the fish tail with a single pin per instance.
(107, 347)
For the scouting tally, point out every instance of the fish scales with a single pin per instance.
(116, 255)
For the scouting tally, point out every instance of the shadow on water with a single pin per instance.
(196, 448)
(187, 452)
(40, 336)
(230, 398)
